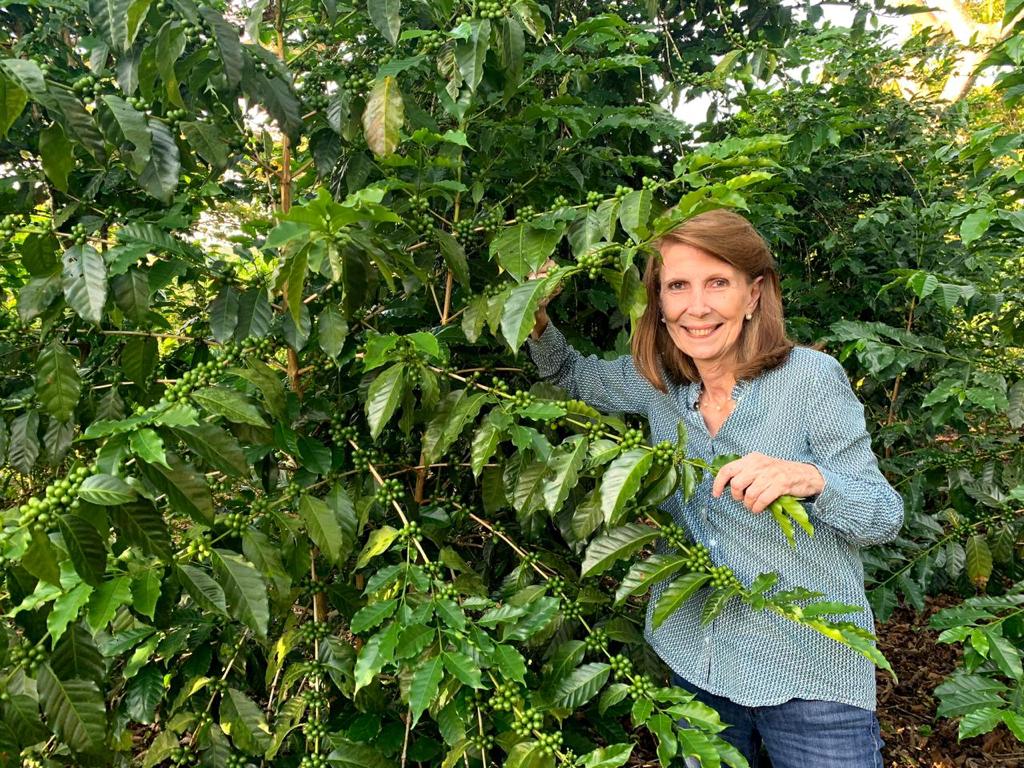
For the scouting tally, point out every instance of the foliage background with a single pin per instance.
(280, 485)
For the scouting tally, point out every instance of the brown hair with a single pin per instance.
(763, 343)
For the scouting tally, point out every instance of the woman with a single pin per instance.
(711, 351)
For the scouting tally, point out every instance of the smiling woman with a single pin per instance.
(711, 351)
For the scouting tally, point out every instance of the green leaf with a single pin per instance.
(1006, 656)
(84, 278)
(144, 693)
(23, 448)
(66, 609)
(138, 359)
(975, 225)
(106, 490)
(249, 727)
(622, 480)
(111, 20)
(131, 294)
(424, 685)
(232, 405)
(88, 550)
(383, 396)
(616, 544)
(76, 656)
(332, 330)
(58, 384)
(386, 16)
(228, 44)
(141, 525)
(379, 541)
(372, 615)
(204, 590)
(634, 214)
(186, 489)
(148, 446)
(454, 412)
(74, 710)
(245, 590)
(106, 600)
(978, 722)
(612, 756)
(133, 128)
(323, 527)
(979, 560)
(565, 464)
(159, 177)
(486, 439)
(454, 257)
(462, 667)
(378, 651)
(224, 314)
(12, 101)
(678, 592)
(57, 154)
(350, 754)
(517, 317)
(523, 248)
(207, 142)
(40, 559)
(383, 117)
(277, 97)
(647, 572)
(217, 447)
(582, 685)
(471, 54)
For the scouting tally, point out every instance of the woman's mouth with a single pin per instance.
(702, 332)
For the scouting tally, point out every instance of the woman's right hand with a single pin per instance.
(540, 317)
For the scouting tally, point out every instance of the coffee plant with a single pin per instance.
(280, 484)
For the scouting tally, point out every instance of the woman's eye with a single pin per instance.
(720, 283)
(675, 285)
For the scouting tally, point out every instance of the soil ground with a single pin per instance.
(914, 737)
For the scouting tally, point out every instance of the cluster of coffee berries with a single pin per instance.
(430, 42)
(315, 760)
(722, 576)
(445, 591)
(433, 569)
(676, 537)
(642, 687)
(237, 760)
(490, 221)
(30, 657)
(594, 197)
(199, 548)
(88, 86)
(139, 103)
(664, 453)
(200, 376)
(315, 729)
(559, 202)
(203, 720)
(312, 587)
(236, 521)
(699, 558)
(259, 507)
(410, 531)
(482, 741)
(79, 234)
(621, 666)
(317, 101)
(556, 585)
(316, 697)
(314, 630)
(530, 559)
(506, 697)
(527, 721)
(464, 230)
(9, 225)
(596, 641)
(525, 213)
(571, 610)
(649, 183)
(522, 399)
(319, 33)
(175, 116)
(594, 430)
(419, 217)
(549, 742)
(30, 760)
(364, 457)
(499, 384)
(182, 755)
(389, 490)
(341, 433)
(357, 82)
(58, 497)
(632, 438)
(593, 261)
(621, 191)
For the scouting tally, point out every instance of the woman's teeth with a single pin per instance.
(701, 331)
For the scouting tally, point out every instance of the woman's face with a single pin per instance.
(703, 303)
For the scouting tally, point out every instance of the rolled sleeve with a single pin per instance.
(857, 500)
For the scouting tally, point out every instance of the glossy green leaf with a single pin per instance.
(58, 384)
(87, 548)
(617, 544)
(141, 525)
(386, 17)
(57, 155)
(74, 710)
(383, 117)
(582, 685)
(622, 480)
(106, 490)
(678, 592)
(332, 329)
(646, 573)
(244, 589)
(84, 278)
(232, 405)
(383, 397)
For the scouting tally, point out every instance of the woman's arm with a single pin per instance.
(608, 385)
(857, 500)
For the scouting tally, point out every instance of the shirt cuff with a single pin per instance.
(828, 502)
(549, 351)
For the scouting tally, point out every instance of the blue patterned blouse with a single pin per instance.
(803, 410)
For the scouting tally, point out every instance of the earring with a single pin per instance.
(662, 318)
(750, 316)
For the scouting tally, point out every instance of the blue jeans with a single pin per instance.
(798, 733)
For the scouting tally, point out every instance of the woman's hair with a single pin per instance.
(762, 344)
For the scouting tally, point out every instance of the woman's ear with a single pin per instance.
(755, 293)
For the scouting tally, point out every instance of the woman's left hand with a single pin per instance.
(757, 480)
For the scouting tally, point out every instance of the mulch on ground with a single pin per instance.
(914, 737)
